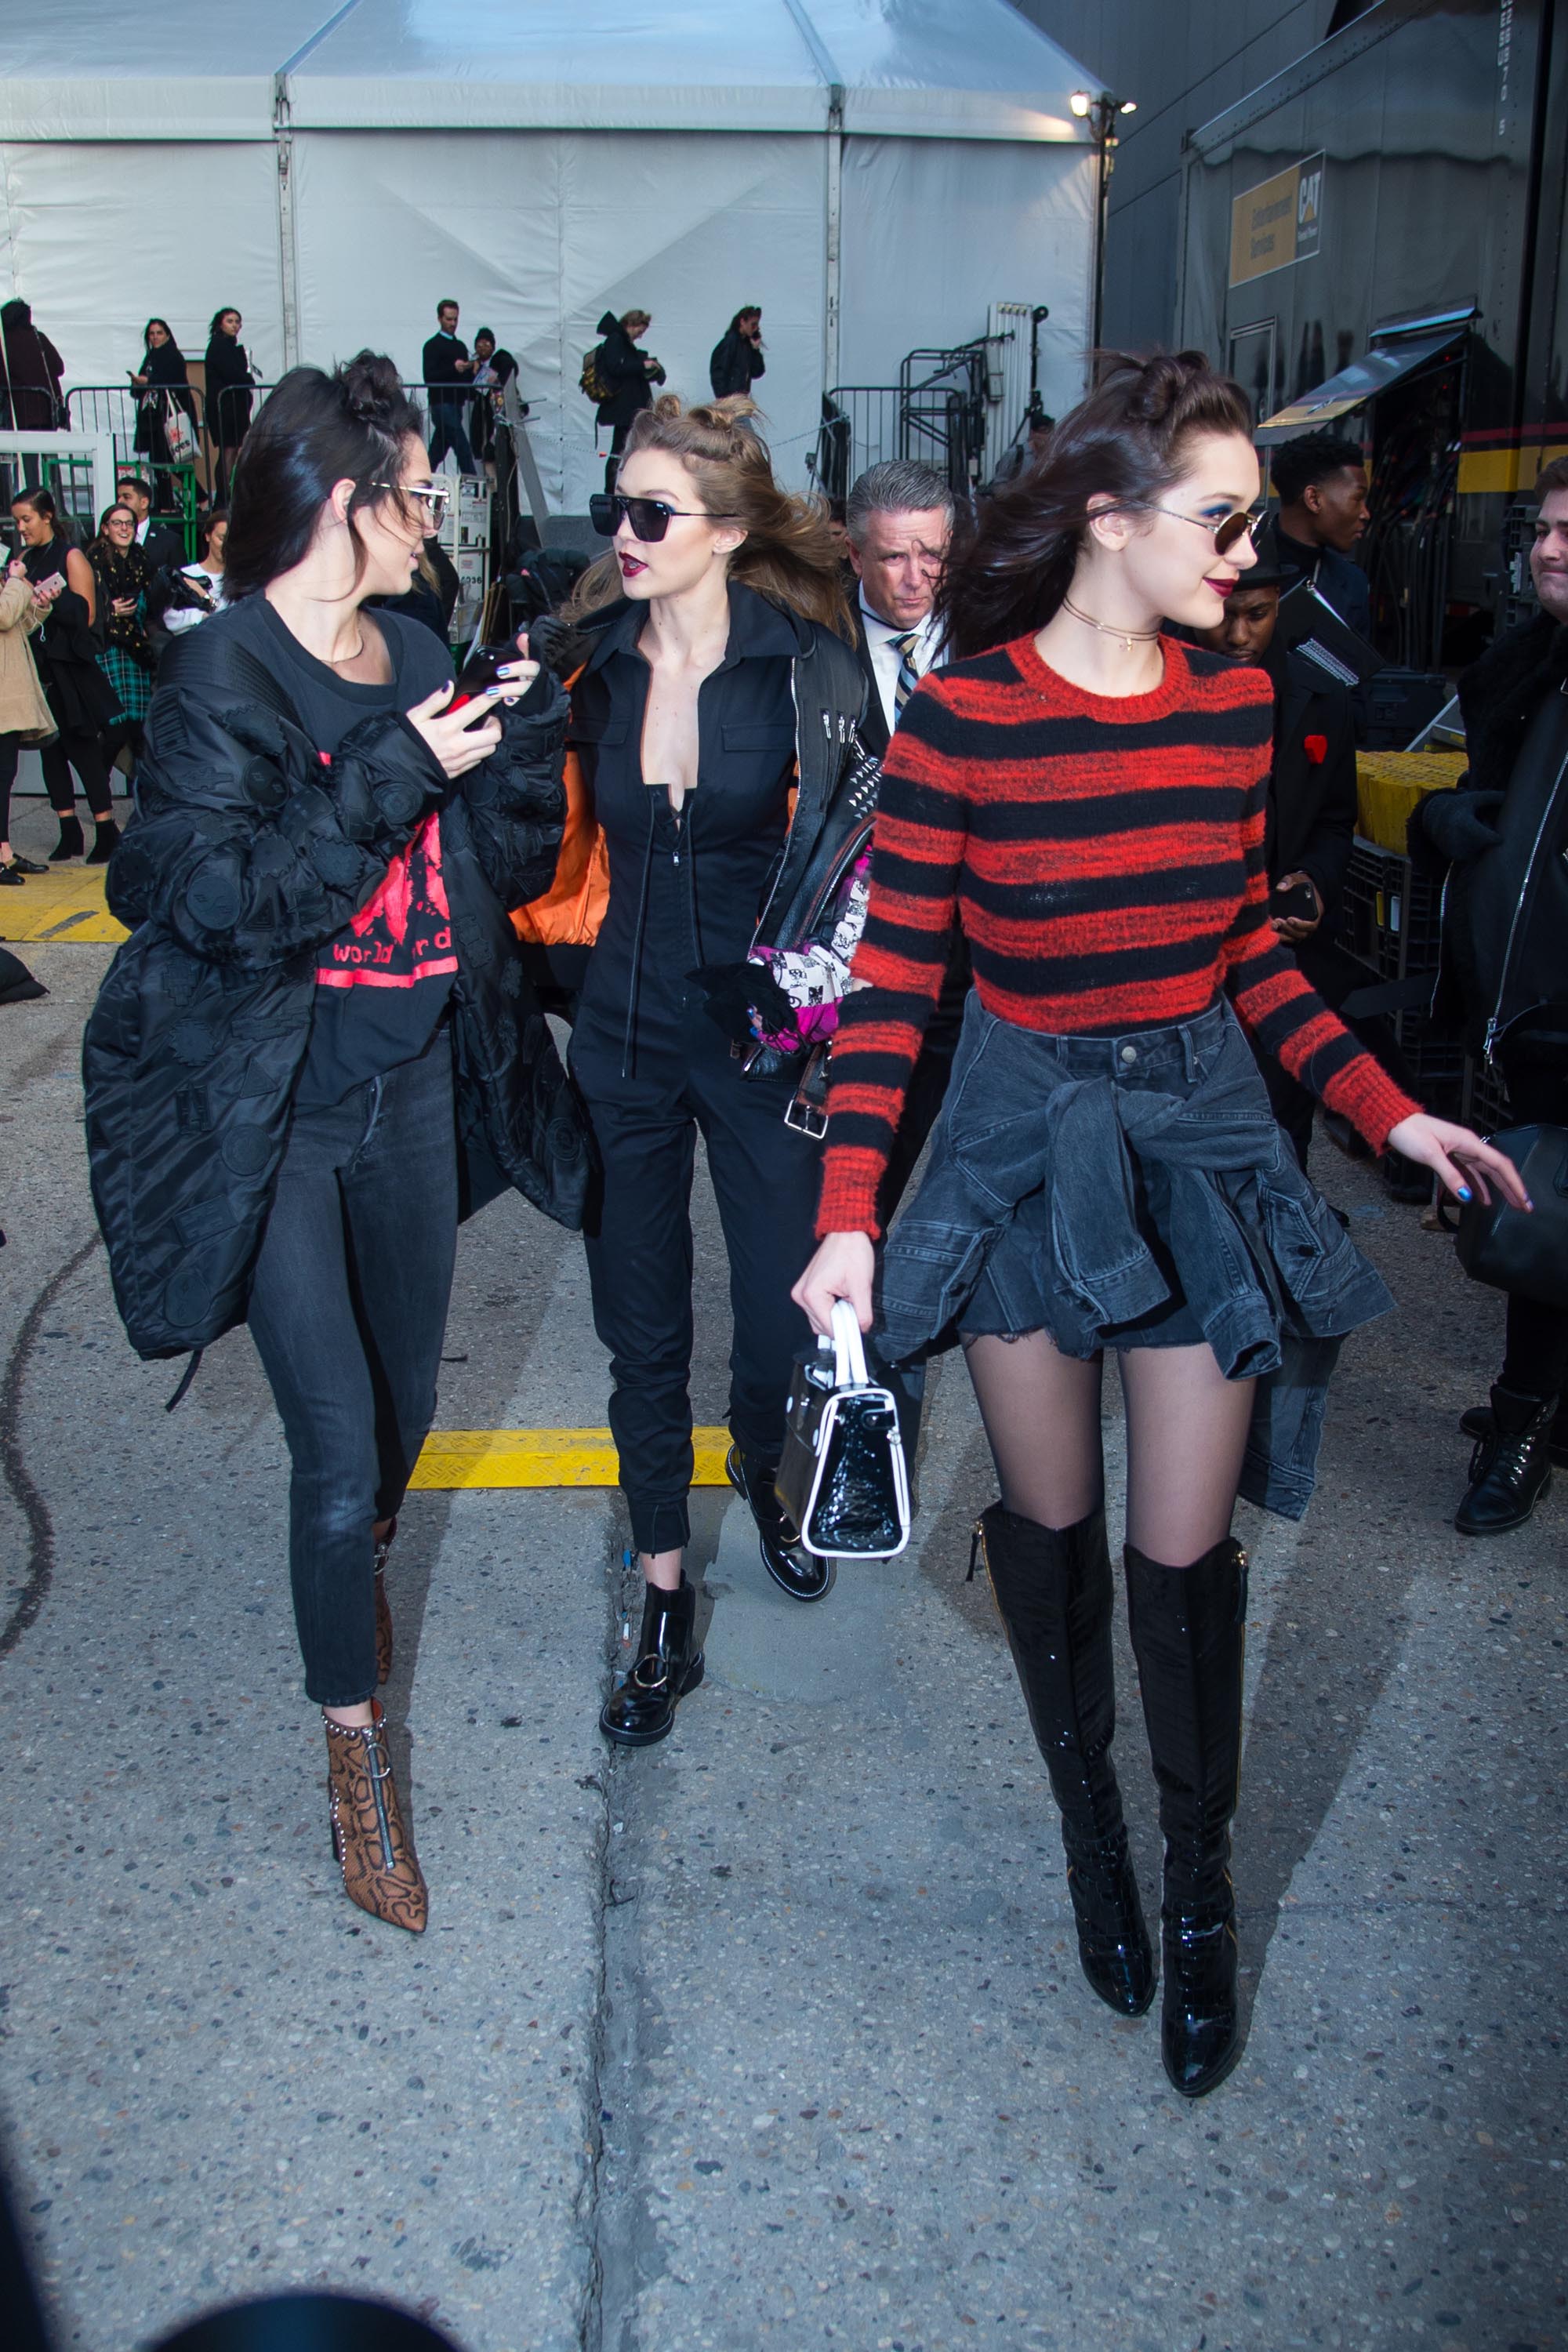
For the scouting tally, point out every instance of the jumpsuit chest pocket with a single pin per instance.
(741, 735)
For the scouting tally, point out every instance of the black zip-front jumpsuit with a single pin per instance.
(654, 1068)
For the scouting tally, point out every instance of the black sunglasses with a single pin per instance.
(649, 518)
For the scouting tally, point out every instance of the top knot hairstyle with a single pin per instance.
(1126, 442)
(787, 554)
(315, 430)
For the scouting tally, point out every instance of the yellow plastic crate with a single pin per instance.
(1389, 784)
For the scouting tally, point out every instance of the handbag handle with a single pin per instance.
(848, 1348)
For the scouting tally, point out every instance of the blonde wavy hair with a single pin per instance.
(787, 554)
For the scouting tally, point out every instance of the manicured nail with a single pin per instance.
(1463, 1191)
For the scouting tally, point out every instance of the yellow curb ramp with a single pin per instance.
(64, 905)
(543, 1457)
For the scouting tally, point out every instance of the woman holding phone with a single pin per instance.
(320, 1022)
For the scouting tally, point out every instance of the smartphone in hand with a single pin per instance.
(1299, 904)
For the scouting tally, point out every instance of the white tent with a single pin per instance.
(876, 174)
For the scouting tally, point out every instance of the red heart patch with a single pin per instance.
(1317, 749)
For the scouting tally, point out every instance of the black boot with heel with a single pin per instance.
(1510, 1469)
(1055, 1595)
(1189, 1632)
(641, 1708)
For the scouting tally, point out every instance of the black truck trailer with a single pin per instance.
(1375, 244)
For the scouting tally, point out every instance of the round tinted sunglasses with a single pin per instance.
(649, 518)
(1227, 533)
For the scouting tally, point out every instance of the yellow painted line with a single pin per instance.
(64, 905)
(543, 1457)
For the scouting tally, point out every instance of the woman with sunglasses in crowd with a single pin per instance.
(712, 681)
(321, 1019)
(123, 577)
(1087, 795)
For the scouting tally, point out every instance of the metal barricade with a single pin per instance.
(176, 486)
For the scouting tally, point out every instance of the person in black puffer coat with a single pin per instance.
(736, 360)
(630, 374)
(1504, 974)
(320, 1034)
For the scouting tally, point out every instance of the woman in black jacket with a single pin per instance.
(75, 688)
(737, 359)
(715, 683)
(230, 385)
(163, 385)
(319, 1027)
(631, 375)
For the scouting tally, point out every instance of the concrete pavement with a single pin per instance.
(772, 2036)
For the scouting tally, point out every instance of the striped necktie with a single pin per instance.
(909, 676)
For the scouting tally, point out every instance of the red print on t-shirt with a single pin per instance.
(403, 934)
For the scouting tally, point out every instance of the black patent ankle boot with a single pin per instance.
(1189, 1630)
(641, 1708)
(1510, 1468)
(1054, 1593)
(793, 1569)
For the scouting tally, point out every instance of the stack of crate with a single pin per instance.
(465, 536)
(1391, 922)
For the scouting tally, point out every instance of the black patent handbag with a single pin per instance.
(842, 1481)
(1517, 1249)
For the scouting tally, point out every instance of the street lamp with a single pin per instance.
(1102, 112)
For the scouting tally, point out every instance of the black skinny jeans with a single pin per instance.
(765, 1176)
(348, 1309)
(1535, 1352)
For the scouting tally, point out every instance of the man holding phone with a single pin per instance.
(1311, 826)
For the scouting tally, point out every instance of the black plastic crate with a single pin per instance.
(1392, 916)
(1398, 704)
(1484, 1104)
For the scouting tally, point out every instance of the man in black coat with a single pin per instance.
(160, 542)
(1321, 484)
(446, 364)
(1503, 834)
(1310, 828)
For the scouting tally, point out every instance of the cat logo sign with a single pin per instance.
(1277, 223)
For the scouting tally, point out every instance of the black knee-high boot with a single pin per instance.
(1189, 1628)
(1055, 1594)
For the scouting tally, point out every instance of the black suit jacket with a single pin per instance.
(1312, 790)
(163, 545)
(875, 732)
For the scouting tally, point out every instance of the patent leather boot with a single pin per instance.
(1510, 1468)
(1480, 1421)
(1055, 1594)
(374, 1851)
(793, 1569)
(1189, 1629)
(382, 1611)
(641, 1708)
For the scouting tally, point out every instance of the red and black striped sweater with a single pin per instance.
(1105, 857)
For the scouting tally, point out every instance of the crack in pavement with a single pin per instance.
(26, 1493)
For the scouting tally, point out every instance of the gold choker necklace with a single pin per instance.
(1130, 637)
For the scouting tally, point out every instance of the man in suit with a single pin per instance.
(900, 517)
(1309, 830)
(449, 370)
(159, 541)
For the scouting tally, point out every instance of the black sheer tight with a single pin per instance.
(1186, 1432)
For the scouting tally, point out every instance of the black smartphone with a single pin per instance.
(1299, 904)
(482, 670)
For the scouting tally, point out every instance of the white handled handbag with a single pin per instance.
(842, 1480)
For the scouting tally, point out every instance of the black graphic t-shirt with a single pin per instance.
(383, 982)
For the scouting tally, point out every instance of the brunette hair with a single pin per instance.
(787, 554)
(206, 526)
(746, 311)
(1552, 477)
(229, 311)
(119, 507)
(40, 502)
(147, 333)
(315, 430)
(1124, 443)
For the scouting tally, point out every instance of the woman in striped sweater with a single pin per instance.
(1086, 796)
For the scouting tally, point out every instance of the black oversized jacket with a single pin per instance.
(1311, 817)
(625, 369)
(246, 854)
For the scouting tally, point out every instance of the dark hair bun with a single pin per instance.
(370, 389)
(1152, 387)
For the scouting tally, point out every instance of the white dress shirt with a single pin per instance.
(882, 638)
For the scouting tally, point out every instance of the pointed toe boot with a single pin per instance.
(375, 1852)
(1055, 1595)
(641, 1707)
(1510, 1469)
(1189, 1629)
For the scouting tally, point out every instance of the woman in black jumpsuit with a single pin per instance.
(687, 885)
